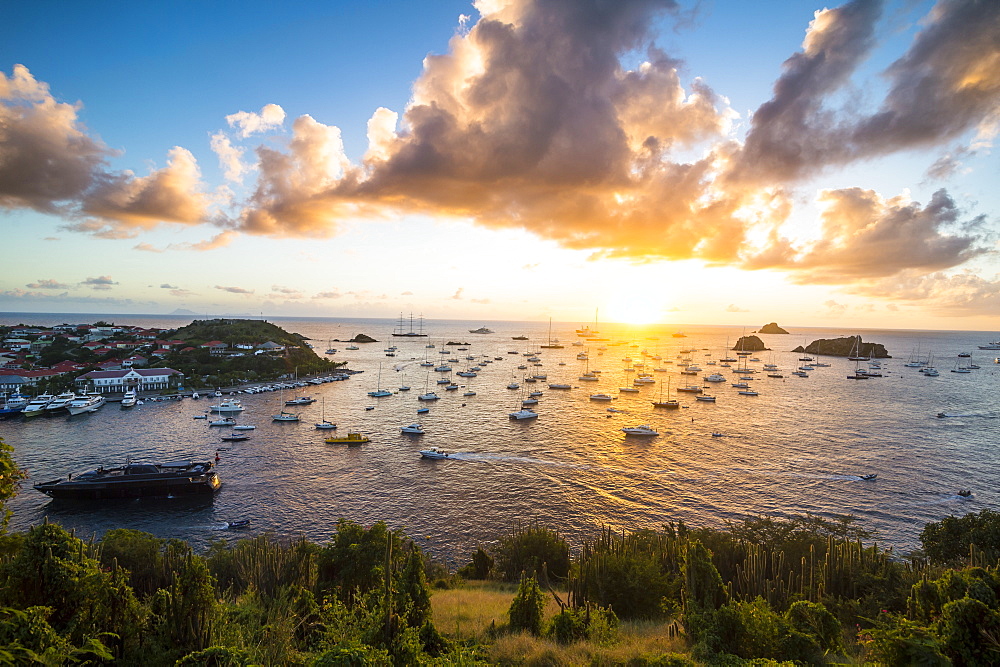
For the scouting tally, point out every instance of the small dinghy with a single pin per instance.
(236, 437)
(870, 475)
(239, 523)
(965, 493)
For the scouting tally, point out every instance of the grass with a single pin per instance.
(470, 611)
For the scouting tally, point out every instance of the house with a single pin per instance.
(17, 344)
(141, 379)
(271, 346)
(215, 347)
(110, 365)
(134, 360)
(27, 378)
(68, 367)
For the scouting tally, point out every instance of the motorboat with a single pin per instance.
(325, 425)
(135, 480)
(414, 428)
(965, 493)
(643, 429)
(523, 413)
(13, 403)
(690, 389)
(628, 390)
(869, 476)
(715, 377)
(129, 399)
(227, 407)
(429, 396)
(201, 416)
(37, 405)
(239, 523)
(434, 453)
(481, 330)
(225, 421)
(351, 439)
(88, 403)
(747, 392)
(301, 400)
(244, 427)
(236, 437)
(61, 402)
(601, 397)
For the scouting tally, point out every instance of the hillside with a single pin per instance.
(233, 331)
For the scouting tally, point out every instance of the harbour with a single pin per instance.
(802, 445)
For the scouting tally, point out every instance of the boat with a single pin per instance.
(705, 398)
(325, 424)
(13, 403)
(481, 330)
(225, 421)
(407, 334)
(995, 345)
(558, 385)
(349, 439)
(551, 344)
(670, 404)
(523, 413)
(88, 403)
(433, 453)
(869, 476)
(965, 493)
(747, 392)
(601, 397)
(301, 400)
(129, 399)
(353, 347)
(37, 405)
(643, 429)
(227, 407)
(628, 390)
(414, 428)
(283, 416)
(201, 416)
(428, 396)
(60, 402)
(244, 427)
(690, 389)
(236, 437)
(239, 523)
(135, 480)
(714, 377)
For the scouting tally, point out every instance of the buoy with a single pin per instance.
(217, 459)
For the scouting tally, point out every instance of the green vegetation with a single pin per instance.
(802, 589)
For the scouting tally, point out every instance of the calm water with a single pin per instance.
(797, 447)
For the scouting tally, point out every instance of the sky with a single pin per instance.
(716, 162)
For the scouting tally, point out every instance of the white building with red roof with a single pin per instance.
(140, 379)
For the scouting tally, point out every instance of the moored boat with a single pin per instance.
(434, 453)
(349, 439)
(136, 480)
(88, 403)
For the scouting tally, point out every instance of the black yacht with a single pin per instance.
(136, 480)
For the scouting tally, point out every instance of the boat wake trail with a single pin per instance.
(470, 456)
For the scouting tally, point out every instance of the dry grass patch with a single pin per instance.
(469, 611)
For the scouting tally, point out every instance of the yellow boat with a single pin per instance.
(349, 439)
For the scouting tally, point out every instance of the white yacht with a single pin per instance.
(130, 399)
(433, 453)
(414, 429)
(524, 413)
(61, 402)
(644, 429)
(37, 405)
(227, 407)
(88, 403)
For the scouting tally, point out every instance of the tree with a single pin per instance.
(10, 482)
(526, 609)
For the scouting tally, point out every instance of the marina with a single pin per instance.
(800, 446)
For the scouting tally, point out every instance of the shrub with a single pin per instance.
(526, 608)
(528, 548)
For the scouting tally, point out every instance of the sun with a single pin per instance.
(636, 307)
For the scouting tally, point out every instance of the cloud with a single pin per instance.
(947, 83)
(100, 283)
(458, 294)
(234, 290)
(834, 308)
(23, 295)
(220, 240)
(182, 292)
(733, 308)
(407, 293)
(47, 284)
(328, 295)
(271, 116)
(281, 292)
(865, 236)
(483, 301)
(146, 247)
(230, 157)
(168, 286)
(45, 157)
(954, 295)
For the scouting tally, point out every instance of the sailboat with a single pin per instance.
(550, 345)
(283, 415)
(325, 424)
(379, 391)
(669, 404)
(411, 333)
(586, 331)
(427, 395)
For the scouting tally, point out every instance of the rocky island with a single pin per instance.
(749, 344)
(852, 346)
(772, 328)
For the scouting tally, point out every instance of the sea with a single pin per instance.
(800, 446)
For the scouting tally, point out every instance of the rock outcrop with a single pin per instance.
(772, 328)
(749, 344)
(845, 347)
(363, 338)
